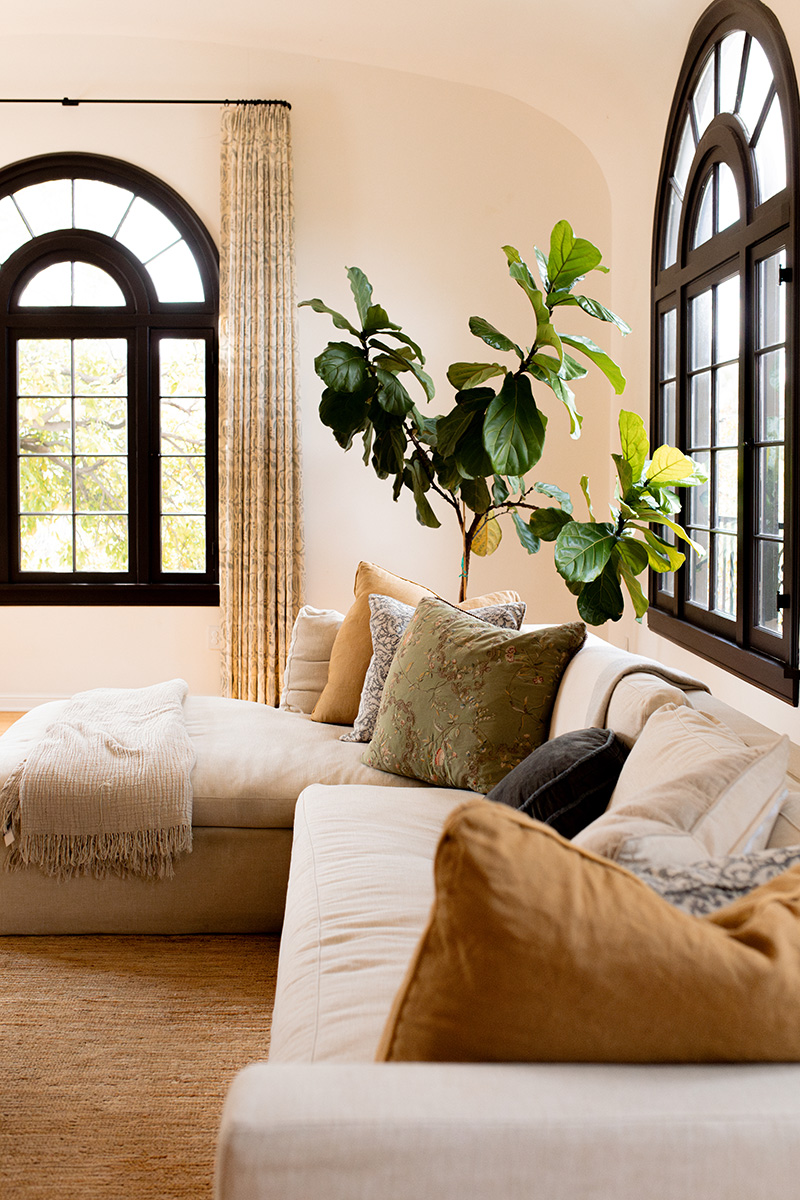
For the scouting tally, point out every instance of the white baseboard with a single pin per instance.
(23, 703)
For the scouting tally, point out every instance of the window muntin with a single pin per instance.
(723, 293)
(110, 394)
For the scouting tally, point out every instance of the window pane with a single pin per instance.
(700, 329)
(726, 489)
(770, 583)
(45, 543)
(669, 433)
(698, 569)
(728, 197)
(668, 344)
(13, 230)
(703, 98)
(727, 406)
(45, 484)
(728, 313)
(182, 366)
(771, 301)
(730, 68)
(770, 490)
(44, 366)
(101, 425)
(700, 410)
(704, 229)
(686, 151)
(757, 81)
(725, 556)
(43, 426)
(673, 224)
(176, 276)
(101, 543)
(770, 152)
(95, 287)
(101, 366)
(183, 485)
(183, 543)
(100, 206)
(46, 206)
(51, 286)
(771, 393)
(101, 484)
(183, 425)
(698, 496)
(146, 231)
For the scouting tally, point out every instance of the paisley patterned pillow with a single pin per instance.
(705, 886)
(388, 622)
(463, 702)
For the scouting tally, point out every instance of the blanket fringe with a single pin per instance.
(147, 854)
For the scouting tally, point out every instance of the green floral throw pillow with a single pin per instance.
(464, 702)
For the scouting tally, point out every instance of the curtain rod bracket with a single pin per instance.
(67, 103)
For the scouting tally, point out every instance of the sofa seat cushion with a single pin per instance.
(360, 891)
(253, 761)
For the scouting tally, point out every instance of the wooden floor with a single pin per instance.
(7, 719)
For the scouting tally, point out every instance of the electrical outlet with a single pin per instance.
(214, 638)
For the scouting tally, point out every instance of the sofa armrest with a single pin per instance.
(482, 1132)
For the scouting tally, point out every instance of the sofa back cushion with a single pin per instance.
(306, 671)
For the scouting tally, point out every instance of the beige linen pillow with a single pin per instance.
(690, 789)
(352, 650)
(306, 672)
(538, 951)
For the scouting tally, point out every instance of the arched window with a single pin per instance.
(724, 367)
(109, 302)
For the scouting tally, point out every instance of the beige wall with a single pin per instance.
(420, 183)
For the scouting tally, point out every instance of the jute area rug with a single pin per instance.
(116, 1056)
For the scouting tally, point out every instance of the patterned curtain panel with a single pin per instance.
(261, 529)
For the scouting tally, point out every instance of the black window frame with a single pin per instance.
(144, 319)
(768, 661)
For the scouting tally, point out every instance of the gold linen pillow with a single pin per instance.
(538, 951)
(352, 649)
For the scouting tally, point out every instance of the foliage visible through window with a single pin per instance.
(723, 355)
(110, 309)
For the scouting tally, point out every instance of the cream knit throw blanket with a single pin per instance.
(107, 790)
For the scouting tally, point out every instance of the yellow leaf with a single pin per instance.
(487, 538)
(669, 466)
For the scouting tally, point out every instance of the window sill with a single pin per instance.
(769, 674)
(111, 594)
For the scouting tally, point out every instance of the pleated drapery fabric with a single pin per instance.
(261, 519)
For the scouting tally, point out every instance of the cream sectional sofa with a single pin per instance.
(322, 1120)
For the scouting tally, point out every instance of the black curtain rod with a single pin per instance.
(65, 102)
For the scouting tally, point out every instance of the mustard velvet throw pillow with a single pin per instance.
(538, 951)
(464, 702)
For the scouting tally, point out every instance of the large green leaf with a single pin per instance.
(669, 468)
(345, 413)
(406, 364)
(470, 455)
(570, 257)
(493, 337)
(342, 367)
(587, 495)
(420, 484)
(583, 549)
(500, 492)
(339, 321)
(662, 555)
(465, 376)
(362, 292)
(541, 262)
(475, 494)
(388, 451)
(514, 429)
(547, 523)
(601, 600)
(599, 358)
(634, 442)
(638, 598)
(633, 553)
(593, 307)
(555, 493)
(453, 426)
(448, 474)
(680, 532)
(519, 272)
(624, 472)
(572, 369)
(394, 331)
(392, 395)
(567, 398)
(525, 534)
(376, 319)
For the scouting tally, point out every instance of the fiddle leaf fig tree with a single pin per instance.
(474, 459)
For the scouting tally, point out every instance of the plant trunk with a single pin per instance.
(466, 542)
